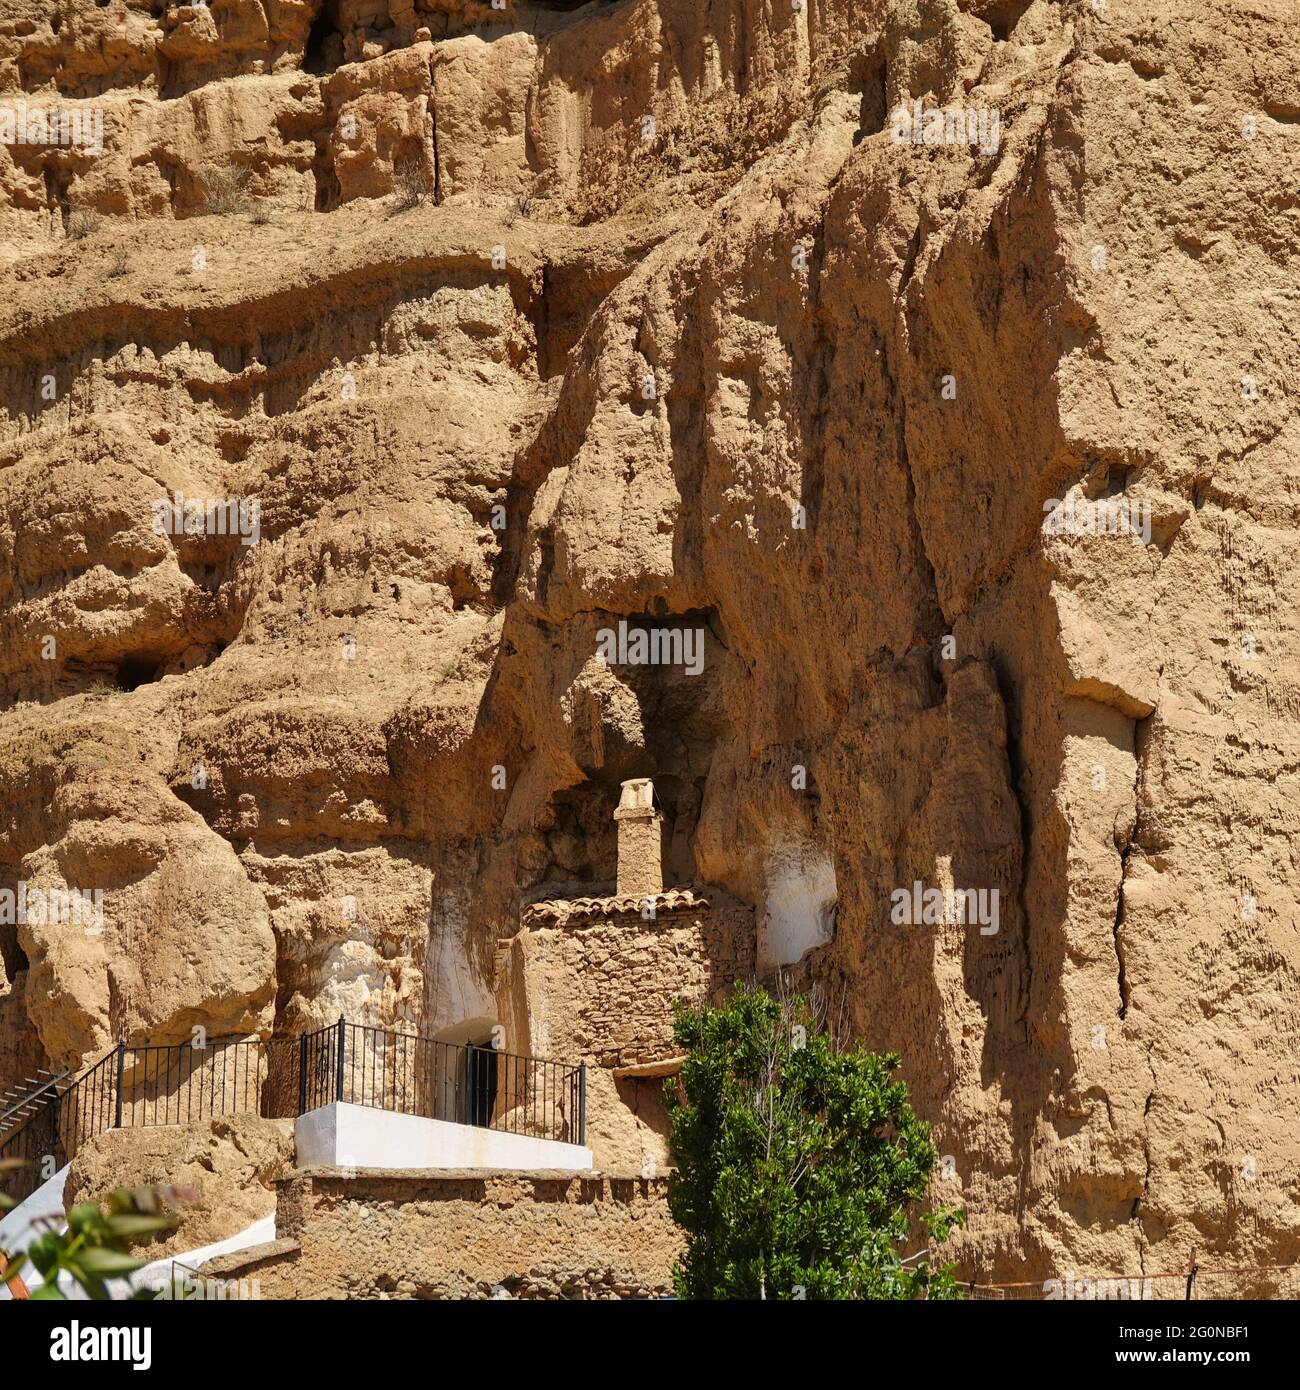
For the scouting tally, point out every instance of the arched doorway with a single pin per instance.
(465, 1067)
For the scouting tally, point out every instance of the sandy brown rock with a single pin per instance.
(754, 369)
(181, 938)
(231, 1163)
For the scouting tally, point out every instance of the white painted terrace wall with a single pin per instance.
(355, 1136)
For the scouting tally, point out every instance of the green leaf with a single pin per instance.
(85, 1216)
(44, 1252)
(92, 1285)
(98, 1259)
(129, 1225)
(48, 1293)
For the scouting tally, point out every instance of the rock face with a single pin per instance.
(772, 330)
(229, 1166)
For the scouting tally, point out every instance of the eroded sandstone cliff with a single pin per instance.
(518, 322)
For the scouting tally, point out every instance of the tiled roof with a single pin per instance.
(559, 911)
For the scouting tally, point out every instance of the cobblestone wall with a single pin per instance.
(463, 1235)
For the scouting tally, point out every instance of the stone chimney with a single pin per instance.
(640, 870)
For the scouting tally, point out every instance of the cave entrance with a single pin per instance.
(135, 671)
(324, 50)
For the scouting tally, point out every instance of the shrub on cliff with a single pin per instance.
(412, 183)
(801, 1166)
(224, 187)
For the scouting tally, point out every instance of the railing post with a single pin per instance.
(469, 1085)
(340, 1048)
(121, 1071)
(302, 1073)
(582, 1102)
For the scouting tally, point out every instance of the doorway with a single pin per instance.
(480, 1084)
(465, 1072)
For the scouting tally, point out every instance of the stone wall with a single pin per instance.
(463, 1234)
(592, 980)
(601, 988)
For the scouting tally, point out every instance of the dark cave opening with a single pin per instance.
(11, 953)
(328, 189)
(135, 671)
(324, 50)
(1003, 18)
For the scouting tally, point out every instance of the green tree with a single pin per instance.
(800, 1165)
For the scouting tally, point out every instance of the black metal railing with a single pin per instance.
(174, 1084)
(284, 1077)
(89, 1105)
(460, 1082)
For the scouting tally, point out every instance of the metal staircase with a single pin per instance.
(30, 1097)
(30, 1131)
